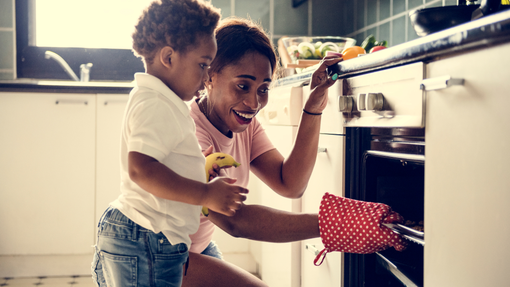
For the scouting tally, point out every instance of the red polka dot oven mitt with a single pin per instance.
(354, 226)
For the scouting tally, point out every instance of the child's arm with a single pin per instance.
(156, 178)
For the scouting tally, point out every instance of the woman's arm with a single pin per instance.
(289, 177)
(263, 223)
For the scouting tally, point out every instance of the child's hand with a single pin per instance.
(224, 197)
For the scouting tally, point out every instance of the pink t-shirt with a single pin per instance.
(244, 147)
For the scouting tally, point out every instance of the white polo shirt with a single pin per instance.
(157, 123)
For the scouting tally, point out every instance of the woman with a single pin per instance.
(237, 89)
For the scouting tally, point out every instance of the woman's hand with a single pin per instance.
(319, 84)
(355, 226)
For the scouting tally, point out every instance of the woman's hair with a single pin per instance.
(174, 23)
(235, 38)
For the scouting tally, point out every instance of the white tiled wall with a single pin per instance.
(388, 19)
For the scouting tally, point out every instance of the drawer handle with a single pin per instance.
(321, 149)
(109, 102)
(71, 102)
(440, 83)
(313, 249)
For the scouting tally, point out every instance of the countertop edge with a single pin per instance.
(26, 87)
(484, 32)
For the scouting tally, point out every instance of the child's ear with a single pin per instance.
(165, 56)
(209, 82)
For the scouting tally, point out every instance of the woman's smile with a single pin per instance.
(244, 118)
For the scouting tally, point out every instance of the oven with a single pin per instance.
(387, 166)
(383, 116)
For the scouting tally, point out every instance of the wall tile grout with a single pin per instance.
(405, 13)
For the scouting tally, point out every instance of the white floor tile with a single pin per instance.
(75, 281)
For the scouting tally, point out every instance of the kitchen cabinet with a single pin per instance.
(47, 179)
(280, 119)
(279, 256)
(466, 173)
(327, 176)
(110, 112)
(59, 168)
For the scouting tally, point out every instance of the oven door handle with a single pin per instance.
(407, 233)
(395, 155)
(440, 83)
(394, 270)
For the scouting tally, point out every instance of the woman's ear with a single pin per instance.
(165, 56)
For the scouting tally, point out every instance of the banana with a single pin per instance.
(222, 160)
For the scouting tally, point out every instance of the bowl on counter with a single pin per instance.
(302, 52)
(431, 20)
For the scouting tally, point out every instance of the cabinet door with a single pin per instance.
(467, 180)
(47, 173)
(110, 112)
(327, 176)
(278, 256)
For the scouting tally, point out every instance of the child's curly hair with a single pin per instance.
(174, 23)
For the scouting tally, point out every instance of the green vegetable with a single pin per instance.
(328, 46)
(371, 42)
(306, 50)
(383, 43)
(368, 43)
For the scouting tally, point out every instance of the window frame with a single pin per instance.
(108, 64)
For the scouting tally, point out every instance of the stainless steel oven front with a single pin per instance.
(383, 116)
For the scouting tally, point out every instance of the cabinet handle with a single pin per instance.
(312, 249)
(321, 149)
(114, 102)
(71, 102)
(440, 83)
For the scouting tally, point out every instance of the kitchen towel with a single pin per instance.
(355, 226)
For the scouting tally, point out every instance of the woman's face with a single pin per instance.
(238, 92)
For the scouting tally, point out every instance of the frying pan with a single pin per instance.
(430, 20)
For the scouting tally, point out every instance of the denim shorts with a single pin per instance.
(127, 254)
(213, 250)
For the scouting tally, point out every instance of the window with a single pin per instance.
(93, 31)
(86, 24)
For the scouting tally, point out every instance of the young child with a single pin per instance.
(143, 237)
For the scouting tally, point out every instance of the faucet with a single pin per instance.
(84, 68)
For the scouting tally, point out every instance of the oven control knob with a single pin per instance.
(361, 102)
(345, 104)
(374, 102)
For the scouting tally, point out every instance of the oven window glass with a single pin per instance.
(400, 184)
